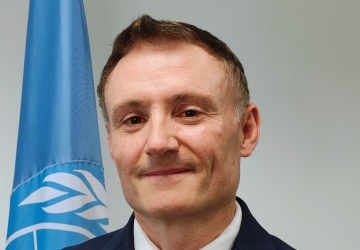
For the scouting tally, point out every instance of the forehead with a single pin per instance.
(157, 58)
(150, 69)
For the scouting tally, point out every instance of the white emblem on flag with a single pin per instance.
(88, 201)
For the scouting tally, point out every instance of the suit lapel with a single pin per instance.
(123, 239)
(251, 235)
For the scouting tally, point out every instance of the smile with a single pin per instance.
(168, 172)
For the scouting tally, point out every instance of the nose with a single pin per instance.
(161, 137)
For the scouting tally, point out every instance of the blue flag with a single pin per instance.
(58, 196)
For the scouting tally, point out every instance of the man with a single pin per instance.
(176, 106)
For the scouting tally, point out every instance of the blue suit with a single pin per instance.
(251, 237)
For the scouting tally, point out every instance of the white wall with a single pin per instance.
(302, 62)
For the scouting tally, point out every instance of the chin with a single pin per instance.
(164, 206)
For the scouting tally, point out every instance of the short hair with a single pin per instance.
(146, 30)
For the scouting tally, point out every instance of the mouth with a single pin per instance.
(168, 172)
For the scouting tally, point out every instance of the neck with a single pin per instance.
(187, 232)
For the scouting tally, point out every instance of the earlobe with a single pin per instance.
(250, 130)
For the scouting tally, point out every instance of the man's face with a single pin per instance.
(172, 130)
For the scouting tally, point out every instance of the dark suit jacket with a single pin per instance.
(251, 237)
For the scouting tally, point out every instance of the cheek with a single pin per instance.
(209, 138)
(127, 151)
(126, 148)
(202, 140)
(204, 143)
(217, 147)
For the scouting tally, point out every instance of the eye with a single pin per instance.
(190, 113)
(135, 120)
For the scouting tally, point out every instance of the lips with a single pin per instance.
(168, 172)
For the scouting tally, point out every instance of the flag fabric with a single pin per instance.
(58, 197)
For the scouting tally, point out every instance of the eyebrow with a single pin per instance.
(127, 104)
(119, 107)
(207, 101)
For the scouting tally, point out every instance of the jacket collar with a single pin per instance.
(251, 235)
(123, 239)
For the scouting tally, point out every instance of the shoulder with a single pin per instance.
(279, 244)
(123, 238)
(95, 243)
(253, 236)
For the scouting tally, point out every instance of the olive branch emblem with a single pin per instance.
(88, 203)
(47, 193)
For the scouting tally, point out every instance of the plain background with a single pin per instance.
(301, 59)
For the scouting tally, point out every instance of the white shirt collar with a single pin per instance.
(141, 240)
(224, 242)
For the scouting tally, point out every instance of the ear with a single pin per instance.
(108, 135)
(250, 126)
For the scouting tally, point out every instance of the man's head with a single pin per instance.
(146, 30)
(171, 126)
